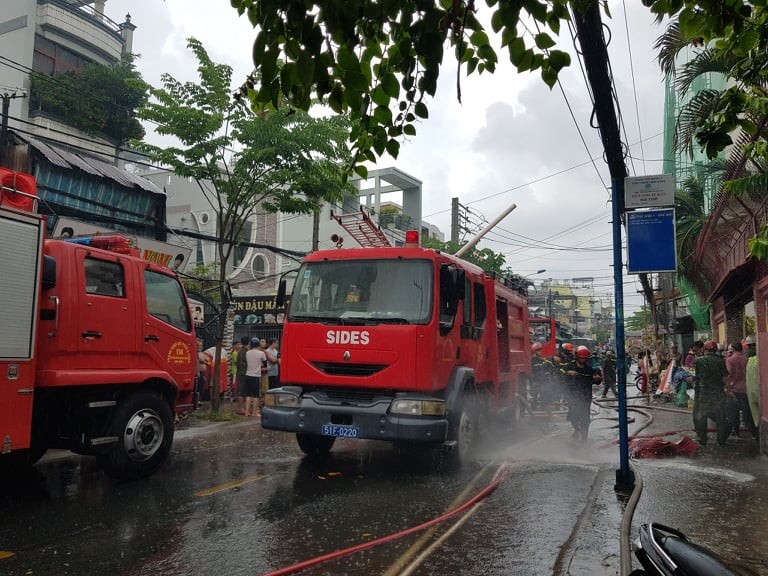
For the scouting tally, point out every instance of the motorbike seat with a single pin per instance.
(692, 559)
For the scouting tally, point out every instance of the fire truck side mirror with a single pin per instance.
(49, 272)
(280, 298)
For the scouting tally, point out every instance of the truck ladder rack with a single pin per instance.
(362, 228)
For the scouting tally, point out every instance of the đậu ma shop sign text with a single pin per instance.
(258, 310)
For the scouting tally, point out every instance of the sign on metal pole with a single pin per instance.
(649, 191)
(651, 241)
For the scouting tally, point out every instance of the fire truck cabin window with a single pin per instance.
(384, 291)
(165, 300)
(104, 278)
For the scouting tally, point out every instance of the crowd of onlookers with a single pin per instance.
(721, 380)
(252, 368)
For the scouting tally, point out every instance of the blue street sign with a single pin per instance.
(651, 241)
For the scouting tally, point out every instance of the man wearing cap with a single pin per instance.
(709, 394)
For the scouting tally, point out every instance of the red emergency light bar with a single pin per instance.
(412, 238)
(111, 242)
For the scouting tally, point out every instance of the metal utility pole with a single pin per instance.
(4, 123)
(455, 220)
(595, 53)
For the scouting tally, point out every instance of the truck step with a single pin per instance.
(102, 404)
(103, 440)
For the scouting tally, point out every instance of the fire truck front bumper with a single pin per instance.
(290, 410)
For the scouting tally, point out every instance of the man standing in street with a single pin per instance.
(709, 394)
(736, 364)
(581, 377)
(608, 371)
(273, 363)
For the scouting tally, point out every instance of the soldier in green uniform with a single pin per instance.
(709, 394)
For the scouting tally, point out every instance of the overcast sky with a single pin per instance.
(511, 140)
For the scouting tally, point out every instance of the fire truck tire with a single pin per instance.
(315, 445)
(143, 424)
(462, 429)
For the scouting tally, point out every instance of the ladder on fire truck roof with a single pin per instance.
(362, 228)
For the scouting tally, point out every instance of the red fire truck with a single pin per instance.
(97, 347)
(546, 331)
(404, 344)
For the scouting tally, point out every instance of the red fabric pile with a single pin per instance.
(656, 447)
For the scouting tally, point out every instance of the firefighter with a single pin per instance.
(537, 374)
(709, 394)
(566, 352)
(565, 357)
(581, 376)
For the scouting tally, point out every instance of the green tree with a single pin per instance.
(98, 99)
(640, 320)
(732, 41)
(380, 61)
(244, 162)
(485, 258)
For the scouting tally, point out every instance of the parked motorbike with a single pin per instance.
(664, 551)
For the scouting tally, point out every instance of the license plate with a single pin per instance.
(341, 431)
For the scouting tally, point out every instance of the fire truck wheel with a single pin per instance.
(462, 431)
(143, 424)
(315, 445)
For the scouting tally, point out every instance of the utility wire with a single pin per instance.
(634, 86)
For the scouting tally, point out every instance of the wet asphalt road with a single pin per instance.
(234, 499)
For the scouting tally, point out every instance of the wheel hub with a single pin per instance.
(143, 435)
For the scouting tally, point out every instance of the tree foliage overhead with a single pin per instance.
(380, 61)
(100, 100)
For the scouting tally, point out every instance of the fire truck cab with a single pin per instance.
(402, 344)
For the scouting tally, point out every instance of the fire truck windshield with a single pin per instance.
(364, 291)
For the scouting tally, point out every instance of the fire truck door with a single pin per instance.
(167, 327)
(21, 238)
(106, 318)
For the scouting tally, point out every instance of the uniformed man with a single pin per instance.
(538, 373)
(581, 377)
(709, 394)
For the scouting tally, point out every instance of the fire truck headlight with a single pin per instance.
(418, 407)
(282, 399)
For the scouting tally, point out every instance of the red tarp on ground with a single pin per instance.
(655, 447)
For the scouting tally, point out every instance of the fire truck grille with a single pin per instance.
(335, 369)
(346, 396)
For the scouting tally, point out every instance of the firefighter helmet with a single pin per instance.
(568, 346)
(583, 352)
(536, 346)
(710, 346)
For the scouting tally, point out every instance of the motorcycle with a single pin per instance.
(664, 551)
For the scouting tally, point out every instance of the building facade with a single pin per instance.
(46, 37)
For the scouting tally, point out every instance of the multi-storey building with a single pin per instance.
(47, 37)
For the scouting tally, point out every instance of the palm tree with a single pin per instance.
(715, 119)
